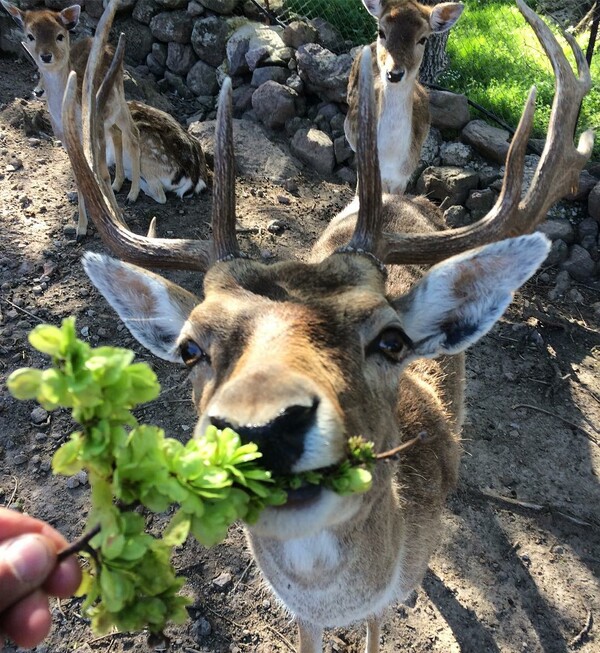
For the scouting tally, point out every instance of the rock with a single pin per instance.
(202, 79)
(327, 35)
(295, 83)
(448, 183)
(480, 202)
(254, 44)
(448, 110)
(256, 156)
(172, 4)
(314, 148)
(296, 123)
(269, 74)
(154, 67)
(242, 99)
(575, 296)
(558, 229)
(563, 283)
(457, 216)
(172, 26)
(201, 628)
(178, 84)
(587, 227)
(590, 243)
(298, 33)
(488, 174)
(558, 253)
(209, 40)
(20, 459)
(347, 175)
(324, 73)
(144, 10)
(580, 264)
(276, 227)
(180, 58)
(456, 154)
(341, 149)
(490, 142)
(586, 184)
(273, 104)
(594, 202)
(219, 6)
(159, 52)
(39, 415)
(222, 581)
(430, 150)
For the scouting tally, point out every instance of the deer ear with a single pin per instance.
(15, 12)
(69, 17)
(152, 308)
(373, 7)
(458, 301)
(444, 15)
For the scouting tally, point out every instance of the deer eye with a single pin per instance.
(30, 37)
(422, 41)
(391, 342)
(381, 34)
(191, 353)
(60, 37)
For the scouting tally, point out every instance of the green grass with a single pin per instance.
(496, 58)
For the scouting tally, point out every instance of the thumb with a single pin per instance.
(25, 563)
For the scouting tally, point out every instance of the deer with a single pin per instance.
(402, 102)
(145, 144)
(366, 338)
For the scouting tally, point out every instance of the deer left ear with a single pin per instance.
(444, 15)
(15, 12)
(69, 17)
(459, 301)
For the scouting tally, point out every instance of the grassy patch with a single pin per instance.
(495, 59)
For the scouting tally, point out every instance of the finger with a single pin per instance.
(25, 564)
(65, 579)
(13, 523)
(28, 622)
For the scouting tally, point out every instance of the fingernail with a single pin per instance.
(29, 557)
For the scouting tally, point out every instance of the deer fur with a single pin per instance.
(402, 103)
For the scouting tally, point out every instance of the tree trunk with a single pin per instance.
(435, 59)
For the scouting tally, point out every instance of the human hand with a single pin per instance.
(29, 574)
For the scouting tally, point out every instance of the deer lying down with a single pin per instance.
(402, 103)
(362, 340)
(144, 144)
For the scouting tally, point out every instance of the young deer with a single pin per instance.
(48, 43)
(299, 356)
(402, 103)
(155, 152)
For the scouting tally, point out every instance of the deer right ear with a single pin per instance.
(15, 12)
(373, 7)
(152, 308)
(69, 17)
(444, 15)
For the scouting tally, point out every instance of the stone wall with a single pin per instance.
(291, 82)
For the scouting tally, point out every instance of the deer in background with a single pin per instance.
(402, 103)
(363, 339)
(146, 145)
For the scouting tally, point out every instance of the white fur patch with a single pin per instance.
(309, 556)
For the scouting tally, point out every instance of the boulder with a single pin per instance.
(557, 254)
(314, 148)
(586, 184)
(430, 151)
(324, 73)
(298, 33)
(180, 58)
(580, 264)
(202, 79)
(144, 10)
(586, 228)
(448, 183)
(242, 99)
(253, 44)
(480, 202)
(558, 230)
(274, 104)
(220, 6)
(490, 142)
(172, 26)
(256, 157)
(171, 4)
(456, 154)
(341, 149)
(327, 35)
(448, 110)
(457, 216)
(138, 37)
(269, 74)
(594, 202)
(209, 40)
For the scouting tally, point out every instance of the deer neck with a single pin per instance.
(55, 82)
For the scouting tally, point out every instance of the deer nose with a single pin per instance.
(395, 76)
(46, 58)
(281, 441)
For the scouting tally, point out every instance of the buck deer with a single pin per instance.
(402, 103)
(146, 145)
(299, 356)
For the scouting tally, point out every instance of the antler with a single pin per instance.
(89, 166)
(557, 173)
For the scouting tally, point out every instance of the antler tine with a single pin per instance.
(142, 250)
(557, 172)
(225, 245)
(368, 225)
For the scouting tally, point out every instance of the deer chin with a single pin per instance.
(306, 514)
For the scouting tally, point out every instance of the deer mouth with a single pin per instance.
(302, 497)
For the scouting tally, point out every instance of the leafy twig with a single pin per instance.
(79, 544)
(422, 438)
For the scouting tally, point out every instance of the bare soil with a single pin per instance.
(518, 563)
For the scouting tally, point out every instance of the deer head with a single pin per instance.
(46, 33)
(403, 29)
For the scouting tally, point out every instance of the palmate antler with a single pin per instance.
(557, 173)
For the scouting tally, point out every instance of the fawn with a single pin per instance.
(361, 340)
(402, 103)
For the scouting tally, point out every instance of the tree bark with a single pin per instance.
(435, 59)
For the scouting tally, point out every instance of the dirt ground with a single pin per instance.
(518, 564)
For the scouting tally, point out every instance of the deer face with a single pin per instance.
(403, 29)
(46, 34)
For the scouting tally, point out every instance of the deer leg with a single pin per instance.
(117, 141)
(82, 222)
(131, 144)
(310, 638)
(373, 633)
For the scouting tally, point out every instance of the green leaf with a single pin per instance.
(67, 459)
(177, 530)
(48, 339)
(24, 383)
